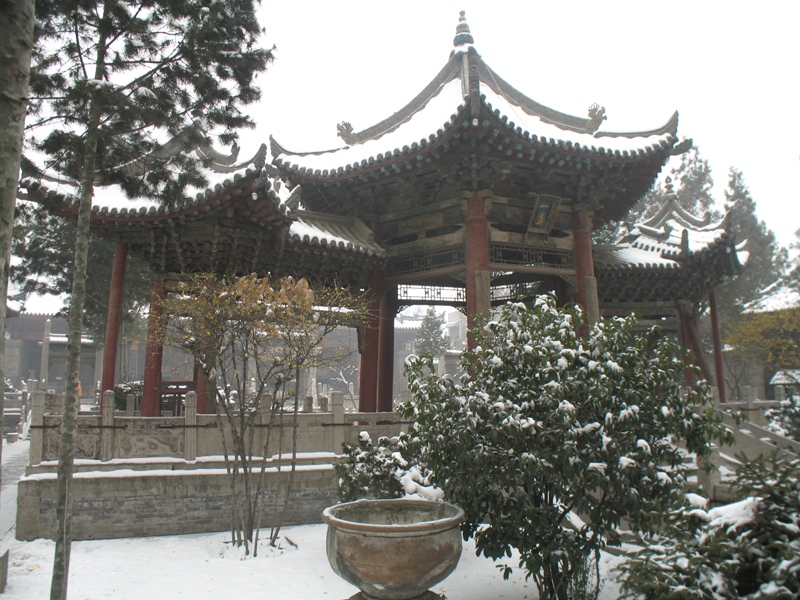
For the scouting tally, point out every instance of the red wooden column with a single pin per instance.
(585, 282)
(477, 258)
(386, 351)
(719, 365)
(368, 375)
(112, 320)
(154, 353)
(201, 387)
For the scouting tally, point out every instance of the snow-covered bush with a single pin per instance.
(553, 438)
(121, 391)
(785, 420)
(389, 469)
(749, 549)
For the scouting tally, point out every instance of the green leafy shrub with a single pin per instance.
(553, 438)
(746, 550)
(389, 469)
(121, 391)
(785, 420)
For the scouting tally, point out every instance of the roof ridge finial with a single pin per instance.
(463, 35)
(668, 185)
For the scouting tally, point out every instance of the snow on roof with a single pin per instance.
(777, 296)
(535, 126)
(439, 112)
(467, 79)
(219, 169)
(786, 377)
(670, 238)
(335, 232)
(60, 338)
(628, 255)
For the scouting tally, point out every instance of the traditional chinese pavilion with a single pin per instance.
(470, 195)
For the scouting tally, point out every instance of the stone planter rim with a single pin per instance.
(393, 529)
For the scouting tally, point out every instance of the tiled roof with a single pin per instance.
(786, 377)
(667, 239)
(249, 190)
(467, 87)
(338, 233)
(667, 259)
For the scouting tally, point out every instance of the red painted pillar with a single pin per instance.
(154, 353)
(585, 285)
(386, 351)
(201, 387)
(368, 376)
(113, 318)
(716, 337)
(477, 258)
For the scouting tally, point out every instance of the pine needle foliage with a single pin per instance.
(111, 83)
(430, 339)
(133, 75)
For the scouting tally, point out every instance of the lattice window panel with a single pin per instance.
(425, 261)
(429, 293)
(531, 256)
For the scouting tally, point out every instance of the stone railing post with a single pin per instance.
(323, 404)
(780, 393)
(337, 408)
(308, 404)
(130, 405)
(107, 427)
(37, 427)
(190, 427)
(749, 395)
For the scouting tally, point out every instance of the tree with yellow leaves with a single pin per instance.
(770, 338)
(252, 339)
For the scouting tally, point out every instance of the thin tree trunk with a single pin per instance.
(66, 456)
(16, 43)
(293, 464)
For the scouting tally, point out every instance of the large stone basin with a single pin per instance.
(393, 549)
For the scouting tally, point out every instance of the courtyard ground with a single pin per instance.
(204, 566)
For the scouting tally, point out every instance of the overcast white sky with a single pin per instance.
(729, 68)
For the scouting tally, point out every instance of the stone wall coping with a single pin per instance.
(204, 472)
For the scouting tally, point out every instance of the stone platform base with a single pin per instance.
(151, 501)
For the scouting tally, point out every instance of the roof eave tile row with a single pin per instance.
(665, 144)
(411, 150)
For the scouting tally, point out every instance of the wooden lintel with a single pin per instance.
(530, 269)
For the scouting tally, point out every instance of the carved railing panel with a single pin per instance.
(531, 256)
(426, 261)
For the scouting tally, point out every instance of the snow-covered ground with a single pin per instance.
(203, 566)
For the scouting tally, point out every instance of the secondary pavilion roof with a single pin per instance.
(466, 102)
(670, 257)
(246, 222)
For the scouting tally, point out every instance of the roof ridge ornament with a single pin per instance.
(597, 114)
(463, 35)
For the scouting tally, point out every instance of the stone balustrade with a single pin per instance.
(119, 435)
